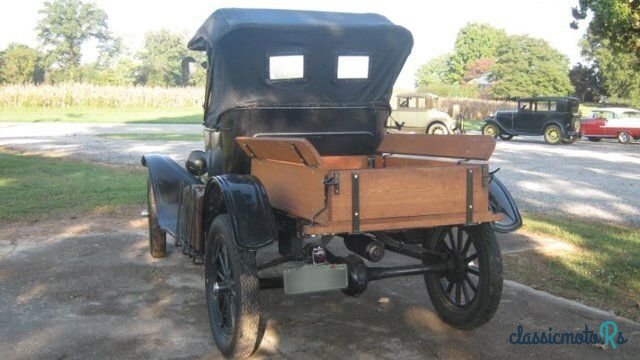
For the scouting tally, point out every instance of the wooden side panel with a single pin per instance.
(293, 150)
(344, 162)
(477, 147)
(293, 188)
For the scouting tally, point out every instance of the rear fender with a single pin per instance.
(245, 200)
(500, 201)
(167, 180)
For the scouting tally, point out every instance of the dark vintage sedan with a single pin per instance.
(556, 118)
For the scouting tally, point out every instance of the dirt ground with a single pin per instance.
(80, 289)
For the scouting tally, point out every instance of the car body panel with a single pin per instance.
(609, 122)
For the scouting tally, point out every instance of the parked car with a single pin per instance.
(417, 111)
(556, 118)
(620, 123)
(296, 153)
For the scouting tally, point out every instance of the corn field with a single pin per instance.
(69, 95)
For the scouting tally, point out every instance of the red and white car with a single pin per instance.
(620, 123)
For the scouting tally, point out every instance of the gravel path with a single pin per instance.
(584, 180)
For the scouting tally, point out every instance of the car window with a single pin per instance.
(524, 105)
(603, 114)
(403, 102)
(631, 114)
(553, 106)
(353, 67)
(422, 102)
(286, 67)
(542, 106)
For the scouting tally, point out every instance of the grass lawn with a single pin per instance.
(471, 125)
(153, 136)
(34, 186)
(603, 271)
(190, 115)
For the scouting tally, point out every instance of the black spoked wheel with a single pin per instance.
(467, 296)
(157, 237)
(232, 287)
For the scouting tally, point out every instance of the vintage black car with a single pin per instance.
(556, 118)
(296, 152)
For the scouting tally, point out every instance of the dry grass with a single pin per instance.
(85, 95)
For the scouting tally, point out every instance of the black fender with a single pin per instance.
(167, 181)
(500, 201)
(502, 128)
(245, 200)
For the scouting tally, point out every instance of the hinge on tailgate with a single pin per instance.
(333, 181)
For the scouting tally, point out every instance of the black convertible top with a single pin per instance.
(239, 43)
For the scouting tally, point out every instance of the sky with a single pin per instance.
(434, 24)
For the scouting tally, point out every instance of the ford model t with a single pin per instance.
(296, 152)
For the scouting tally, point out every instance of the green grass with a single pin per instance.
(153, 136)
(604, 271)
(472, 125)
(186, 115)
(34, 186)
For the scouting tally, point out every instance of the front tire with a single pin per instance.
(468, 296)
(491, 130)
(553, 135)
(157, 237)
(232, 289)
(438, 128)
(624, 137)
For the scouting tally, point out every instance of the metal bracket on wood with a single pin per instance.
(302, 159)
(251, 153)
(355, 201)
(469, 204)
(333, 181)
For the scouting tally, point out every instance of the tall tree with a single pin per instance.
(586, 81)
(474, 42)
(66, 26)
(529, 67)
(161, 59)
(20, 64)
(617, 21)
(433, 72)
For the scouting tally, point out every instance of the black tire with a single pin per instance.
(553, 135)
(438, 128)
(157, 237)
(624, 137)
(506, 137)
(490, 129)
(569, 140)
(234, 309)
(478, 258)
(594, 139)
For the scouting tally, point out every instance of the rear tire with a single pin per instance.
(624, 137)
(553, 135)
(157, 237)
(468, 296)
(232, 290)
(506, 137)
(594, 139)
(570, 140)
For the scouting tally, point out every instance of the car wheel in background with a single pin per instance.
(594, 139)
(569, 140)
(506, 137)
(553, 135)
(491, 130)
(624, 137)
(438, 128)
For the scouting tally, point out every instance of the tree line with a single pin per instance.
(488, 63)
(67, 25)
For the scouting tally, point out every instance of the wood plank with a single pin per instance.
(477, 147)
(344, 162)
(406, 192)
(293, 188)
(417, 222)
(293, 150)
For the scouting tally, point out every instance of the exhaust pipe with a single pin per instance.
(365, 246)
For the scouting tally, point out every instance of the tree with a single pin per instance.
(586, 82)
(65, 27)
(161, 59)
(529, 67)
(617, 71)
(20, 64)
(616, 21)
(433, 72)
(477, 68)
(474, 42)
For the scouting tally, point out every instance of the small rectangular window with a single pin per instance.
(286, 67)
(353, 67)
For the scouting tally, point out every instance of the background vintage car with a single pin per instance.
(556, 118)
(418, 112)
(620, 123)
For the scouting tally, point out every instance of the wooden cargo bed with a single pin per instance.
(413, 181)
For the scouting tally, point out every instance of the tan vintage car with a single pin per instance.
(418, 112)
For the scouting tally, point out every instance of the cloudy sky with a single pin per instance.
(434, 24)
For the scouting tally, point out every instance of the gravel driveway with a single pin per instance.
(584, 180)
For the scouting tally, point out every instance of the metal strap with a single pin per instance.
(355, 201)
(469, 205)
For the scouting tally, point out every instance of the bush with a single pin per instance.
(474, 109)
